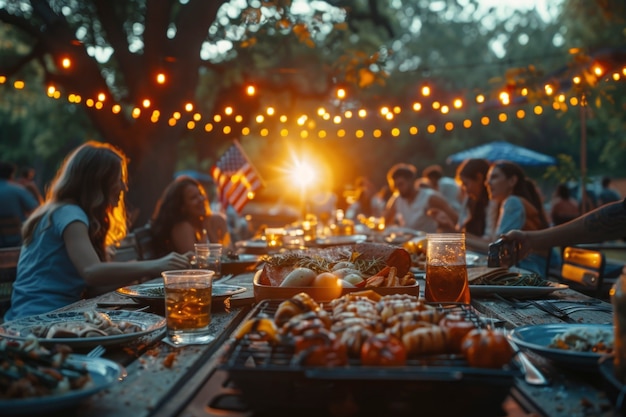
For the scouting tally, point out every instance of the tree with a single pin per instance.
(209, 50)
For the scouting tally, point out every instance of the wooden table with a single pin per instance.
(191, 384)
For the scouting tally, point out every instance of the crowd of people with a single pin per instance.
(66, 238)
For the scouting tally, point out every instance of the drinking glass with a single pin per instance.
(209, 256)
(188, 295)
(274, 237)
(446, 270)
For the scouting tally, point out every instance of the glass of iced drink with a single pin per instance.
(188, 305)
(446, 271)
(209, 256)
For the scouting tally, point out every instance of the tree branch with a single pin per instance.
(116, 37)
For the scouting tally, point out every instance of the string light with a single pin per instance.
(561, 102)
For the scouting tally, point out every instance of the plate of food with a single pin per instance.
(509, 282)
(574, 345)
(252, 246)
(83, 329)
(154, 291)
(79, 377)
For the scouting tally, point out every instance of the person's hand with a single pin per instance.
(173, 261)
(522, 241)
(444, 222)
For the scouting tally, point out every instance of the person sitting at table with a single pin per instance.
(471, 174)
(447, 186)
(65, 239)
(409, 204)
(515, 204)
(564, 207)
(183, 217)
(17, 205)
(367, 203)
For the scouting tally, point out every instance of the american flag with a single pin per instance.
(235, 177)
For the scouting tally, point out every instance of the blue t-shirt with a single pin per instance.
(46, 277)
(513, 216)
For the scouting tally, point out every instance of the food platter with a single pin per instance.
(538, 338)
(154, 292)
(104, 373)
(321, 294)
(517, 291)
(22, 328)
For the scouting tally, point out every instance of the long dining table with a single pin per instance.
(165, 380)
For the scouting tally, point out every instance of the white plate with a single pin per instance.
(104, 373)
(340, 240)
(19, 329)
(154, 291)
(524, 291)
(260, 243)
(537, 338)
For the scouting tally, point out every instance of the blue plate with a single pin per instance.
(104, 373)
(537, 338)
(20, 329)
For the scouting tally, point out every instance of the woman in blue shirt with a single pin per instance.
(65, 240)
(514, 204)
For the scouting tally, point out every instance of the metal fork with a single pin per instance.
(553, 311)
(96, 352)
(573, 309)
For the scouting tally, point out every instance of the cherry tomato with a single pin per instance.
(457, 327)
(383, 350)
(486, 348)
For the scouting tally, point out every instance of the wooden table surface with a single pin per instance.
(154, 389)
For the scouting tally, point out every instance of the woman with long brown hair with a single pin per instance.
(66, 239)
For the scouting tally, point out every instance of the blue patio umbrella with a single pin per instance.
(494, 151)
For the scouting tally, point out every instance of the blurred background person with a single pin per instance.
(27, 180)
(607, 195)
(447, 186)
(64, 254)
(516, 204)
(183, 216)
(472, 175)
(367, 201)
(17, 204)
(563, 207)
(408, 206)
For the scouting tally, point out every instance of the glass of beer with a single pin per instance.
(446, 271)
(188, 305)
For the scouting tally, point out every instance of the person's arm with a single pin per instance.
(97, 273)
(390, 211)
(183, 237)
(217, 230)
(604, 223)
(439, 202)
